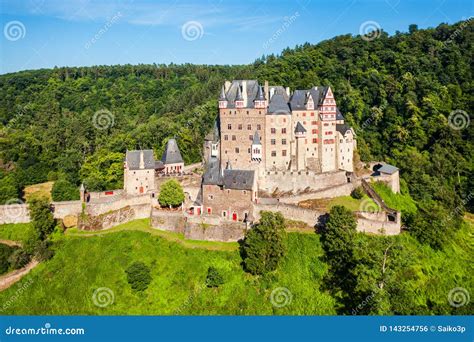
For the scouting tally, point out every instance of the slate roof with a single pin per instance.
(222, 96)
(133, 159)
(279, 102)
(172, 155)
(239, 179)
(299, 128)
(212, 175)
(260, 94)
(342, 128)
(300, 96)
(387, 168)
(339, 115)
(252, 89)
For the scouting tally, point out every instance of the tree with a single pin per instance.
(138, 276)
(171, 194)
(265, 244)
(8, 189)
(41, 217)
(214, 278)
(337, 238)
(19, 258)
(357, 193)
(64, 190)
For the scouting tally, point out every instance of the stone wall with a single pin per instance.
(336, 191)
(63, 209)
(278, 182)
(168, 220)
(226, 231)
(292, 212)
(116, 203)
(14, 213)
(114, 218)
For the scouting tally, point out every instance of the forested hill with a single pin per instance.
(397, 91)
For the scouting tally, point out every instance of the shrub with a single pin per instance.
(43, 251)
(214, 278)
(357, 193)
(138, 276)
(19, 258)
(41, 217)
(5, 252)
(171, 194)
(264, 244)
(64, 190)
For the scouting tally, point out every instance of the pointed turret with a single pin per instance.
(256, 139)
(222, 96)
(259, 101)
(299, 129)
(256, 148)
(239, 96)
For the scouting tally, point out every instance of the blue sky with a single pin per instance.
(43, 34)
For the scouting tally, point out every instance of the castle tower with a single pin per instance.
(300, 135)
(259, 101)
(82, 193)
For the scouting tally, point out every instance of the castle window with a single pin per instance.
(315, 140)
(314, 131)
(240, 126)
(259, 112)
(283, 130)
(229, 126)
(233, 138)
(225, 151)
(273, 141)
(312, 113)
(283, 141)
(314, 122)
(259, 127)
(250, 150)
(224, 213)
(247, 112)
(250, 137)
(274, 154)
(273, 130)
(226, 137)
(283, 153)
(249, 127)
(134, 172)
(304, 114)
(209, 211)
(340, 142)
(211, 197)
(244, 192)
(237, 150)
(284, 119)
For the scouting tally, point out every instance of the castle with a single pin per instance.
(263, 130)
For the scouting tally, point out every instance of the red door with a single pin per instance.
(199, 211)
(141, 189)
(234, 216)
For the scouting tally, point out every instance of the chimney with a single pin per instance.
(266, 91)
(288, 91)
(272, 91)
(244, 92)
(142, 161)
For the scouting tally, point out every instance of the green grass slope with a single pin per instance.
(65, 284)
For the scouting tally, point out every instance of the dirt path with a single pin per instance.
(10, 243)
(11, 278)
